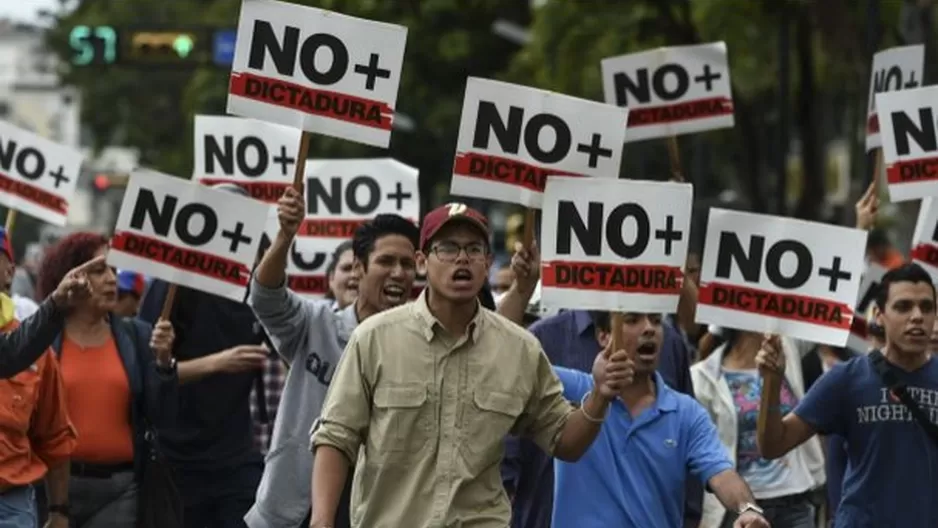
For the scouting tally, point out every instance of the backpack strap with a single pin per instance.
(892, 382)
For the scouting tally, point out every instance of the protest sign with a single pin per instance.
(616, 245)
(910, 142)
(780, 275)
(317, 70)
(37, 176)
(671, 91)
(342, 194)
(925, 237)
(258, 156)
(893, 69)
(860, 339)
(511, 138)
(188, 234)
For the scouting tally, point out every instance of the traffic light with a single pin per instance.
(93, 45)
(170, 47)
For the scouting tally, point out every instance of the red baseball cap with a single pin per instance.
(451, 212)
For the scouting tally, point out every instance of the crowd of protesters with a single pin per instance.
(462, 407)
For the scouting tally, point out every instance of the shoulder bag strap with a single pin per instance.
(892, 382)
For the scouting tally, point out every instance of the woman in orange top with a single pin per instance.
(114, 386)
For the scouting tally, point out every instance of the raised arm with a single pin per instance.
(526, 265)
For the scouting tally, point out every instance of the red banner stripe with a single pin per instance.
(504, 170)
(872, 124)
(268, 192)
(912, 171)
(308, 284)
(926, 253)
(33, 194)
(334, 105)
(859, 327)
(188, 260)
(788, 306)
(689, 111)
(623, 278)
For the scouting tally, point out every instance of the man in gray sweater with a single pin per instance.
(311, 337)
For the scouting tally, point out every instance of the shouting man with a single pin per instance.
(310, 336)
(885, 407)
(429, 391)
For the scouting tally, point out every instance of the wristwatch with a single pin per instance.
(61, 509)
(750, 507)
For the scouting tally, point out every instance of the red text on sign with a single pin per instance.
(189, 260)
(781, 305)
(634, 278)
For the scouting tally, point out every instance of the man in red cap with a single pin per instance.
(426, 393)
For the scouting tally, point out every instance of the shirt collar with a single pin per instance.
(666, 400)
(583, 322)
(429, 323)
(348, 320)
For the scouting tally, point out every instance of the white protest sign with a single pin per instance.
(37, 176)
(306, 269)
(342, 194)
(617, 245)
(188, 234)
(860, 339)
(671, 91)
(893, 69)
(925, 238)
(258, 156)
(910, 142)
(512, 137)
(317, 70)
(780, 275)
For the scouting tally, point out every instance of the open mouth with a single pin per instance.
(462, 276)
(647, 351)
(917, 333)
(393, 292)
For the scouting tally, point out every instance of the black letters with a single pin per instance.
(184, 224)
(773, 262)
(749, 262)
(923, 132)
(29, 162)
(332, 199)
(614, 230)
(264, 41)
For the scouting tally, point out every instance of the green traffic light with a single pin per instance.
(183, 44)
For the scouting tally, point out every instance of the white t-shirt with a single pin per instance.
(23, 307)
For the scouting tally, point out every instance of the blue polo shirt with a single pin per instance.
(634, 473)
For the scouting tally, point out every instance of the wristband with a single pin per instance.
(60, 509)
(587, 415)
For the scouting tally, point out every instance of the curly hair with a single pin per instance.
(69, 252)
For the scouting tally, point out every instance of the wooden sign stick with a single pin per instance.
(877, 168)
(168, 302)
(11, 220)
(300, 169)
(771, 384)
(674, 158)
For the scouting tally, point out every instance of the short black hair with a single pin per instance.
(336, 256)
(363, 241)
(877, 238)
(601, 320)
(486, 299)
(909, 272)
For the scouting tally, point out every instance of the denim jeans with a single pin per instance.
(18, 508)
(795, 511)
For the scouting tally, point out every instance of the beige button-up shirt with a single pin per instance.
(430, 413)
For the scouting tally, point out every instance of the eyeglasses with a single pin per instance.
(449, 251)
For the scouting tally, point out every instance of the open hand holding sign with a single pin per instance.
(770, 360)
(612, 372)
(526, 264)
(74, 287)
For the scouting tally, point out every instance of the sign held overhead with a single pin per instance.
(910, 142)
(617, 245)
(780, 275)
(893, 69)
(258, 156)
(37, 176)
(188, 234)
(317, 70)
(511, 138)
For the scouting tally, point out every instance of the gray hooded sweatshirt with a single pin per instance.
(311, 337)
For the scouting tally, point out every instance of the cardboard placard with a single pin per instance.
(671, 91)
(317, 70)
(779, 275)
(893, 69)
(511, 138)
(910, 142)
(188, 234)
(616, 245)
(258, 156)
(37, 176)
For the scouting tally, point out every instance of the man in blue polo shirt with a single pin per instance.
(634, 474)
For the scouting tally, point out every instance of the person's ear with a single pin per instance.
(603, 337)
(421, 260)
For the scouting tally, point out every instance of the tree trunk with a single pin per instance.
(813, 189)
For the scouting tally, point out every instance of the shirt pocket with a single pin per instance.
(400, 428)
(19, 401)
(488, 418)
